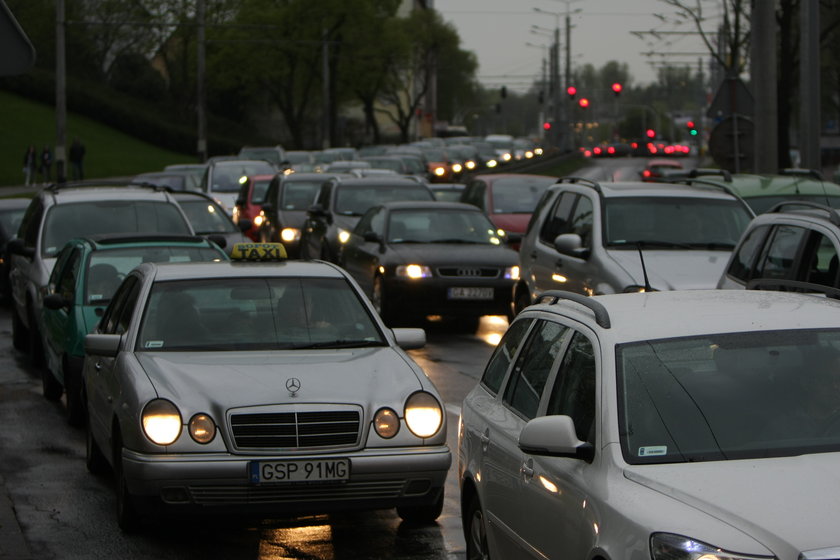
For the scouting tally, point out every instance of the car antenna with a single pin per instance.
(648, 287)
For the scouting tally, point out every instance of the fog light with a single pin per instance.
(386, 423)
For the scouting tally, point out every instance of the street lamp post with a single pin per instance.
(559, 133)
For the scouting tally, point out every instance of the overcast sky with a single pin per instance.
(499, 33)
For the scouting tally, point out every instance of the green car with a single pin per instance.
(762, 192)
(87, 272)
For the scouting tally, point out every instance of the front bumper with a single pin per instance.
(430, 297)
(218, 483)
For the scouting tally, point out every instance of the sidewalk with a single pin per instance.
(13, 545)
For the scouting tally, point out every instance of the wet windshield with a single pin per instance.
(435, 226)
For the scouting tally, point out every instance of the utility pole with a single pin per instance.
(763, 70)
(325, 70)
(201, 102)
(809, 84)
(60, 95)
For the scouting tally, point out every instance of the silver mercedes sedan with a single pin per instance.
(259, 388)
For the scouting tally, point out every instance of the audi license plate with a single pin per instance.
(307, 470)
(470, 293)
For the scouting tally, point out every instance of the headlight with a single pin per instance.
(470, 164)
(161, 421)
(512, 273)
(423, 415)
(258, 220)
(289, 234)
(202, 428)
(439, 171)
(386, 423)
(506, 157)
(665, 546)
(492, 163)
(457, 168)
(343, 236)
(414, 271)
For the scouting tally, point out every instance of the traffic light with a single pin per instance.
(571, 91)
(650, 133)
(692, 130)
(547, 125)
(584, 103)
(617, 87)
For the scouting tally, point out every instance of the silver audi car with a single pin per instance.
(259, 388)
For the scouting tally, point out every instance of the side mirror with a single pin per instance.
(571, 244)
(512, 237)
(268, 208)
(554, 436)
(17, 247)
(409, 339)
(372, 237)
(316, 210)
(56, 302)
(107, 345)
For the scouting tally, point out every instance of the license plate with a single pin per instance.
(470, 293)
(305, 470)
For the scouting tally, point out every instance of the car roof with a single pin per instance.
(747, 185)
(306, 176)
(655, 315)
(241, 269)
(490, 177)
(108, 191)
(375, 180)
(652, 189)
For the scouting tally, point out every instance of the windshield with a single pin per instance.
(730, 396)
(206, 217)
(10, 219)
(227, 176)
(107, 267)
(675, 223)
(79, 219)
(299, 195)
(259, 191)
(436, 226)
(230, 314)
(520, 195)
(355, 200)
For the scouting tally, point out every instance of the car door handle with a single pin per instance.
(98, 366)
(485, 439)
(527, 469)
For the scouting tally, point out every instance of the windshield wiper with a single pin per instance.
(461, 241)
(712, 245)
(341, 343)
(653, 243)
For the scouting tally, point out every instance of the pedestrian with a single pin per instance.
(30, 162)
(77, 156)
(46, 164)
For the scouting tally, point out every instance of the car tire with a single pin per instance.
(20, 334)
(95, 460)
(36, 345)
(73, 390)
(127, 517)
(475, 531)
(50, 386)
(422, 515)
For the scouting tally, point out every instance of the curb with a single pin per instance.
(12, 543)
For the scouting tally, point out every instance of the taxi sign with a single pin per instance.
(258, 252)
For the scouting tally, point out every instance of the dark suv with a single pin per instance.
(600, 238)
(61, 212)
(342, 201)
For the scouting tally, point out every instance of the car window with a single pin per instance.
(298, 195)
(228, 314)
(744, 258)
(30, 225)
(474, 194)
(436, 226)
(355, 201)
(206, 217)
(532, 367)
(574, 388)
(364, 226)
(118, 314)
(258, 193)
(581, 222)
(822, 261)
(65, 272)
(65, 221)
(558, 218)
(519, 195)
(780, 253)
(503, 355)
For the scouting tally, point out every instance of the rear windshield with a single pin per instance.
(355, 201)
(66, 221)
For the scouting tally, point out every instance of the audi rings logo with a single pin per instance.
(469, 272)
(293, 386)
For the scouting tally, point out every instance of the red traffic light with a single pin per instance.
(617, 87)
(572, 91)
(584, 103)
(546, 125)
(650, 133)
(690, 124)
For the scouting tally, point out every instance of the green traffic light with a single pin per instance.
(693, 132)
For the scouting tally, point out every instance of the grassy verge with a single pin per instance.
(109, 153)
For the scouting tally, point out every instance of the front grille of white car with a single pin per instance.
(308, 493)
(468, 272)
(296, 429)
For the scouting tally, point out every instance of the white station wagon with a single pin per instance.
(259, 388)
(651, 426)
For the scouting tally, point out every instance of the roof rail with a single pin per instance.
(102, 183)
(704, 171)
(796, 172)
(833, 216)
(705, 183)
(783, 285)
(602, 316)
(580, 181)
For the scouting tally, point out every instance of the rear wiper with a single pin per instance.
(341, 343)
